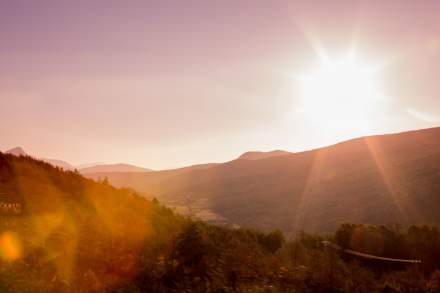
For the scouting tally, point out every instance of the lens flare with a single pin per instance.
(10, 246)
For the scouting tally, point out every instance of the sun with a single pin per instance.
(340, 94)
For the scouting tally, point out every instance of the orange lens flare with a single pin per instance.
(10, 246)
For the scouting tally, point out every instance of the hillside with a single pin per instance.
(378, 179)
(61, 232)
(61, 227)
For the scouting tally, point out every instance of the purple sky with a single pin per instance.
(170, 83)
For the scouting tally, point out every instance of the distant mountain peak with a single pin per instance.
(59, 163)
(121, 167)
(257, 155)
(17, 151)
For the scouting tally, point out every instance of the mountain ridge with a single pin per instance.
(391, 178)
(258, 155)
(83, 168)
(19, 151)
(119, 167)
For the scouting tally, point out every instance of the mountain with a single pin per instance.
(86, 165)
(113, 168)
(393, 178)
(59, 163)
(262, 155)
(18, 151)
(84, 168)
(199, 167)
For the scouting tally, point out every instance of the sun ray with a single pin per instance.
(395, 191)
(305, 198)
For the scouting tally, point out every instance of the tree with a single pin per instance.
(272, 241)
(343, 235)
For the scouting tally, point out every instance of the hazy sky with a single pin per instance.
(170, 83)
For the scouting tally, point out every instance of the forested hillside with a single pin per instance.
(60, 232)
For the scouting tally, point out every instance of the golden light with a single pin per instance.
(10, 246)
(340, 94)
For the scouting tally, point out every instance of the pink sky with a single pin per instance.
(170, 83)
